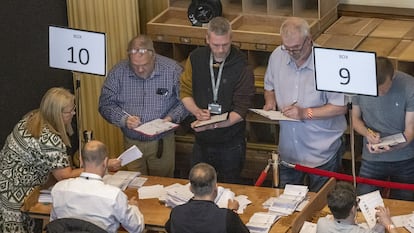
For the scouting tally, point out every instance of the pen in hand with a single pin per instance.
(126, 113)
(291, 105)
(132, 121)
(372, 133)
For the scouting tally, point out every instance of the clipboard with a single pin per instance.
(213, 119)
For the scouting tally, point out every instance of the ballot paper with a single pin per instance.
(272, 115)
(137, 182)
(367, 204)
(286, 203)
(130, 155)
(178, 194)
(406, 221)
(261, 222)
(308, 227)
(120, 179)
(152, 191)
(391, 140)
(155, 127)
(45, 195)
(213, 119)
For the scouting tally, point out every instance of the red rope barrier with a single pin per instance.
(262, 176)
(340, 176)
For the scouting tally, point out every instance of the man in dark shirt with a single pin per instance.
(201, 214)
(217, 79)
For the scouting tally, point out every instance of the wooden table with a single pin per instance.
(156, 213)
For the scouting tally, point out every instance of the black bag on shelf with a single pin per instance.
(202, 11)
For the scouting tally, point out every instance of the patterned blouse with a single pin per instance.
(25, 162)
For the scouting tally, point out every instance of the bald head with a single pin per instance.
(203, 179)
(94, 153)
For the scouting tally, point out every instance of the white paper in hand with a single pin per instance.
(130, 155)
(367, 204)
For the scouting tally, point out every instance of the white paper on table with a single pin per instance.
(308, 227)
(401, 220)
(120, 179)
(137, 182)
(130, 155)
(153, 191)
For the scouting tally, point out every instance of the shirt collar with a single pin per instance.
(91, 176)
(309, 64)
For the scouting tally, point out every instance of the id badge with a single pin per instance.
(214, 108)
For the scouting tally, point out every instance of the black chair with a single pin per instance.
(72, 225)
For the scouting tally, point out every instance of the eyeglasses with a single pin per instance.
(140, 51)
(73, 111)
(294, 51)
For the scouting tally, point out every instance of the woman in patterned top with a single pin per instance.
(35, 148)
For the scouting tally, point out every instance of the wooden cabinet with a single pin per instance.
(390, 38)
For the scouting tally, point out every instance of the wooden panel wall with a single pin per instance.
(119, 19)
(148, 9)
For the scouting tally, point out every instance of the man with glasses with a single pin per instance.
(314, 140)
(216, 80)
(141, 89)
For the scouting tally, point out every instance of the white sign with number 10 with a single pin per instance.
(77, 50)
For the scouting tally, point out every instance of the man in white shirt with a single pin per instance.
(89, 199)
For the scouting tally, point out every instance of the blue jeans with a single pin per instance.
(289, 175)
(227, 159)
(400, 171)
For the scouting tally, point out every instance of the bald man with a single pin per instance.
(89, 199)
(201, 214)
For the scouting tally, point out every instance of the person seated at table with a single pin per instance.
(343, 203)
(201, 214)
(88, 198)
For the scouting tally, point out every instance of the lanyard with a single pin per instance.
(215, 85)
(90, 178)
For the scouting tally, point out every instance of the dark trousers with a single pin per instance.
(227, 158)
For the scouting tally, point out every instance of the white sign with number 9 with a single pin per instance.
(346, 71)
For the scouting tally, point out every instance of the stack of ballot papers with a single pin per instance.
(45, 195)
(287, 203)
(137, 182)
(406, 221)
(178, 194)
(120, 179)
(261, 222)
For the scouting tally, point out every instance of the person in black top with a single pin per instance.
(217, 79)
(201, 214)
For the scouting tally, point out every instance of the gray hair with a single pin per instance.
(203, 179)
(292, 26)
(219, 25)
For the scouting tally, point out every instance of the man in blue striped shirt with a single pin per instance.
(138, 90)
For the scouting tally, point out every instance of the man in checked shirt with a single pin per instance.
(138, 90)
